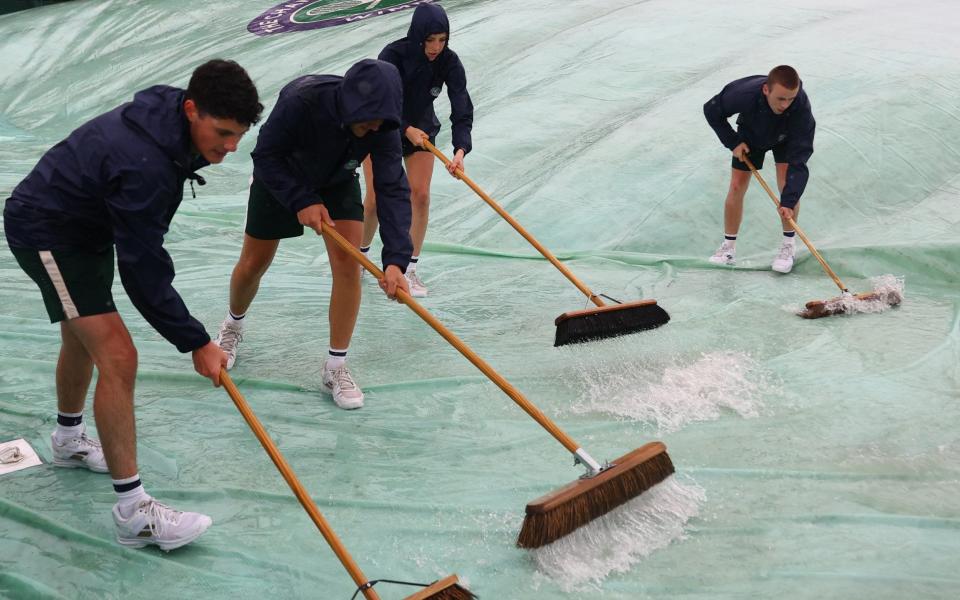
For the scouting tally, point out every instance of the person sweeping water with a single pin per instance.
(426, 63)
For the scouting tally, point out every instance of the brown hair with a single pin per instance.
(785, 76)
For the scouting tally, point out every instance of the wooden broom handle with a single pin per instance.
(305, 500)
(796, 227)
(457, 343)
(513, 222)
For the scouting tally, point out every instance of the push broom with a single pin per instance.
(834, 306)
(597, 492)
(447, 588)
(604, 321)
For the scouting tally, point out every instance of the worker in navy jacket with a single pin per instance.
(773, 114)
(304, 173)
(114, 184)
(426, 63)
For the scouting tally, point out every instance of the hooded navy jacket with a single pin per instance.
(118, 179)
(762, 129)
(306, 146)
(423, 80)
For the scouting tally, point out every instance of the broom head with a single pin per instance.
(448, 588)
(560, 512)
(608, 321)
(816, 309)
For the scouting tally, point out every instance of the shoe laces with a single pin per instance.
(786, 252)
(229, 338)
(89, 441)
(159, 517)
(414, 280)
(343, 378)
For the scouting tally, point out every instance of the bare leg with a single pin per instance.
(255, 259)
(74, 372)
(781, 183)
(733, 206)
(345, 295)
(419, 173)
(107, 343)
(370, 221)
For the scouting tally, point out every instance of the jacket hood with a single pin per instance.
(428, 19)
(371, 90)
(158, 112)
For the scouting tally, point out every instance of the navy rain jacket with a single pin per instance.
(762, 129)
(423, 80)
(118, 179)
(306, 146)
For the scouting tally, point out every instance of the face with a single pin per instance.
(434, 45)
(213, 138)
(779, 98)
(363, 127)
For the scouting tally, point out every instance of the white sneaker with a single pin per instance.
(228, 339)
(726, 254)
(783, 263)
(417, 289)
(158, 524)
(80, 451)
(346, 393)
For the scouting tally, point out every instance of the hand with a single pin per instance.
(741, 150)
(393, 280)
(786, 213)
(208, 360)
(416, 136)
(456, 163)
(313, 215)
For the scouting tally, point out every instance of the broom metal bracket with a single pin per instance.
(580, 457)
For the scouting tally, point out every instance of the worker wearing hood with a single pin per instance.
(304, 174)
(112, 187)
(425, 63)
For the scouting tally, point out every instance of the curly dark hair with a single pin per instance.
(222, 89)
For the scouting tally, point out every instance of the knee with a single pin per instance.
(420, 198)
(345, 269)
(249, 267)
(121, 362)
(369, 208)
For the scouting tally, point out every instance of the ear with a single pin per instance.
(191, 110)
(765, 88)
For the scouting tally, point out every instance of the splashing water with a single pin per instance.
(887, 293)
(686, 393)
(622, 537)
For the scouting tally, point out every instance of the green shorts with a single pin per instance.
(74, 283)
(756, 157)
(267, 219)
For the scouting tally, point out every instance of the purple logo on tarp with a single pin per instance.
(298, 15)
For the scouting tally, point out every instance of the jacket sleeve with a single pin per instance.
(730, 101)
(279, 138)
(799, 150)
(461, 107)
(137, 212)
(393, 198)
(391, 55)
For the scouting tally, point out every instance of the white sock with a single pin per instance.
(235, 321)
(129, 499)
(66, 432)
(730, 239)
(412, 265)
(335, 358)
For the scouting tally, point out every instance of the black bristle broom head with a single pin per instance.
(562, 511)
(608, 321)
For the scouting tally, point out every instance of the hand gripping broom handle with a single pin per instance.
(335, 544)
(796, 227)
(581, 455)
(513, 222)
